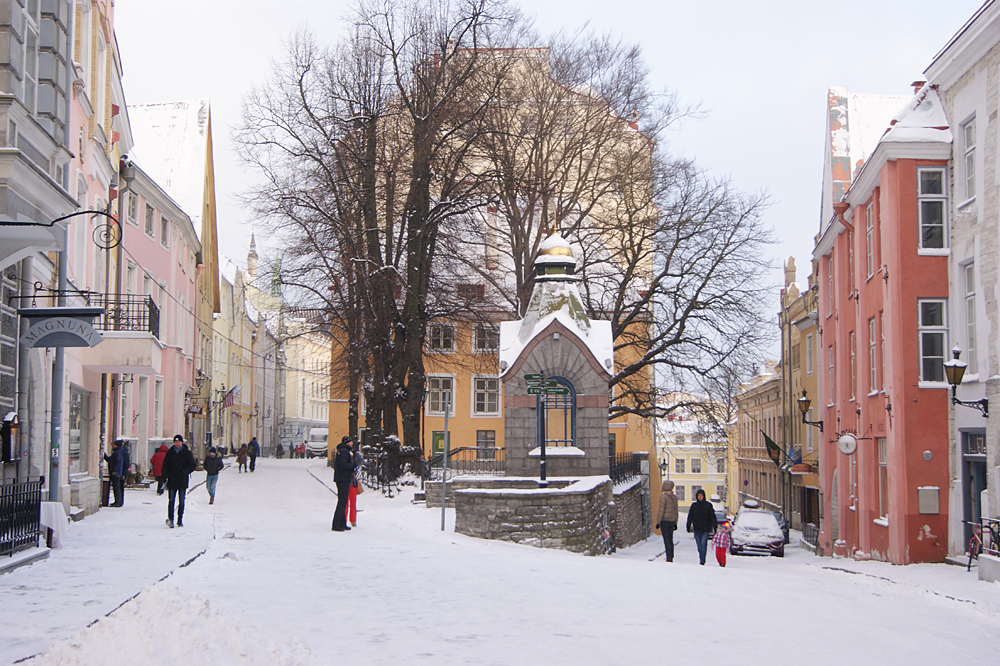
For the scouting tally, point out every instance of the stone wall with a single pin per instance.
(432, 489)
(573, 518)
(631, 520)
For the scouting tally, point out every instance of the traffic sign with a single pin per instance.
(535, 390)
(556, 390)
(550, 382)
(534, 377)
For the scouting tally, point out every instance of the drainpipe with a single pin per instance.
(58, 367)
(24, 374)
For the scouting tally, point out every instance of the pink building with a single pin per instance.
(882, 265)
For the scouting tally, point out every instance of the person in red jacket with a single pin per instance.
(156, 464)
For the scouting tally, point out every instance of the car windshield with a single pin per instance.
(757, 520)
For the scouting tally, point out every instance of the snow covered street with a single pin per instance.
(267, 582)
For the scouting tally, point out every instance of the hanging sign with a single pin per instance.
(61, 327)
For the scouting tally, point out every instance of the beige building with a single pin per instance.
(759, 410)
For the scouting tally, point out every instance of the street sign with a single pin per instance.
(534, 377)
(555, 390)
(550, 382)
(535, 390)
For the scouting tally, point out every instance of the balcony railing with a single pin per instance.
(127, 313)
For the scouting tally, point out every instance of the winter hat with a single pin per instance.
(178, 438)
(346, 439)
(211, 449)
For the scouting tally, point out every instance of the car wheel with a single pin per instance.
(732, 551)
(779, 553)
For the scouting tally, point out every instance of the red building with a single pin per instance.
(882, 265)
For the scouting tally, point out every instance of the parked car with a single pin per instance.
(782, 523)
(721, 518)
(757, 531)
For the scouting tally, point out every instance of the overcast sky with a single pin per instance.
(760, 69)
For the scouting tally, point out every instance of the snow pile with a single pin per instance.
(132, 633)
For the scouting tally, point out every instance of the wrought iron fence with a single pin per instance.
(486, 461)
(810, 534)
(126, 312)
(383, 471)
(20, 510)
(624, 466)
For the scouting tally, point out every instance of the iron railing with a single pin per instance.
(487, 461)
(624, 466)
(126, 312)
(20, 511)
(989, 534)
(810, 534)
(383, 471)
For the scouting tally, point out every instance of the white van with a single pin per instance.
(316, 442)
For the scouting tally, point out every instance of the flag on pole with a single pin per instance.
(227, 400)
(773, 451)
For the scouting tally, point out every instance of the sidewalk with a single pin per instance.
(107, 559)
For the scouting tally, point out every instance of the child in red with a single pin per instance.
(721, 543)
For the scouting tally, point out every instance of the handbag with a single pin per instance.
(360, 487)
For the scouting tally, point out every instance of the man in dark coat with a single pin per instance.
(701, 521)
(254, 451)
(177, 467)
(343, 473)
(118, 464)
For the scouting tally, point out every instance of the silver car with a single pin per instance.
(757, 531)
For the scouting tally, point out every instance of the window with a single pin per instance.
(869, 240)
(696, 465)
(485, 338)
(441, 338)
(679, 491)
(809, 354)
(883, 477)
(133, 205)
(31, 20)
(970, 317)
(164, 232)
(694, 491)
(486, 391)
(832, 369)
(829, 281)
(720, 466)
(102, 79)
(853, 364)
(150, 218)
(969, 159)
(471, 292)
(810, 441)
(872, 358)
(438, 389)
(125, 405)
(486, 442)
(931, 201)
(678, 465)
(932, 332)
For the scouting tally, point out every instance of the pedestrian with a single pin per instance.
(302, 450)
(721, 542)
(156, 464)
(241, 459)
(351, 511)
(254, 450)
(667, 520)
(213, 465)
(117, 469)
(343, 473)
(701, 521)
(280, 451)
(177, 467)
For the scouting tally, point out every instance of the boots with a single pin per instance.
(670, 559)
(211, 500)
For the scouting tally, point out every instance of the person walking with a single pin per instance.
(351, 512)
(241, 458)
(117, 469)
(213, 465)
(280, 451)
(254, 450)
(701, 521)
(156, 464)
(721, 542)
(177, 467)
(343, 473)
(667, 519)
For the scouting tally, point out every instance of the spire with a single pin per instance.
(252, 260)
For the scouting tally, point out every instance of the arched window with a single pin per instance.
(558, 415)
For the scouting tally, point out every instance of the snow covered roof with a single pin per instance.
(171, 144)
(922, 119)
(556, 299)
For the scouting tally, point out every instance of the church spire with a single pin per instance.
(252, 260)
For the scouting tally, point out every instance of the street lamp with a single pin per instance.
(954, 370)
(804, 403)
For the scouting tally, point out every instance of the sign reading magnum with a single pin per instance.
(60, 327)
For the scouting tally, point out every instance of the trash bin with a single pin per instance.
(105, 491)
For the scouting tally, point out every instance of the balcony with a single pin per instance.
(127, 313)
(131, 329)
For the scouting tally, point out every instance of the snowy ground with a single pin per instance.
(259, 578)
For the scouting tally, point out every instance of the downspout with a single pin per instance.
(24, 373)
(58, 372)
